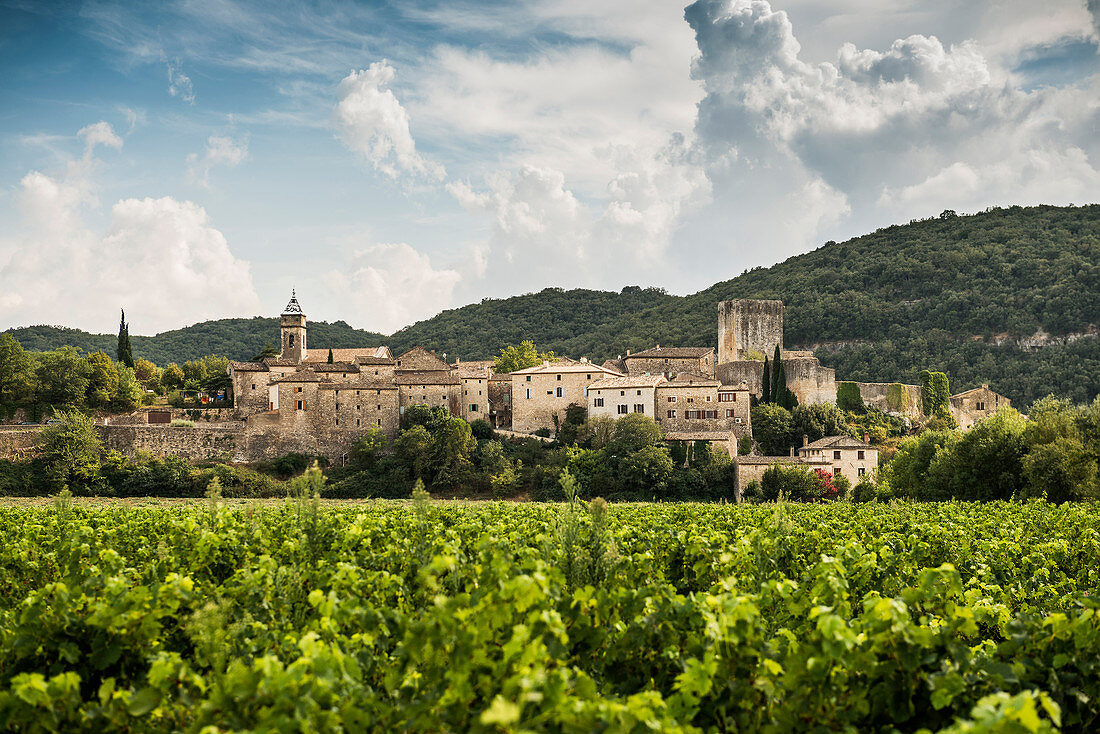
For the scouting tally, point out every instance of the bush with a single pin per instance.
(181, 423)
(864, 491)
(481, 429)
(542, 433)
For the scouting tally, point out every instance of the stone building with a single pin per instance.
(541, 394)
(970, 406)
(749, 330)
(696, 403)
(474, 378)
(424, 379)
(838, 455)
(615, 397)
(670, 361)
(500, 400)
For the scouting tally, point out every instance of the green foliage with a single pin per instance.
(124, 353)
(773, 429)
(896, 399)
(70, 452)
(848, 397)
(632, 433)
(766, 383)
(521, 357)
(818, 420)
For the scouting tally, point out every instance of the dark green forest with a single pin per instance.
(931, 294)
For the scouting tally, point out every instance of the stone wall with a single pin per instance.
(670, 366)
(749, 371)
(681, 397)
(18, 442)
(746, 326)
(200, 443)
(877, 395)
(809, 381)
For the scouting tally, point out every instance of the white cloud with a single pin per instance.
(179, 84)
(101, 133)
(219, 151)
(386, 286)
(161, 259)
(371, 121)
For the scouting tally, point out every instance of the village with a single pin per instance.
(319, 401)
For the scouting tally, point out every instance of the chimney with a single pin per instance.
(628, 352)
(805, 440)
(792, 450)
(584, 360)
(866, 437)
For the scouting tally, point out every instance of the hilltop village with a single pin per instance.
(318, 400)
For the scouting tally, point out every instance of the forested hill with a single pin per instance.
(937, 293)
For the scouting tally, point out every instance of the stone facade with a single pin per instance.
(696, 403)
(670, 361)
(500, 401)
(971, 406)
(200, 443)
(542, 393)
(892, 398)
(615, 397)
(809, 381)
(474, 378)
(747, 326)
(845, 455)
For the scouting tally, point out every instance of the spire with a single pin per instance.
(293, 307)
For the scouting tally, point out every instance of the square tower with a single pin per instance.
(292, 325)
(746, 326)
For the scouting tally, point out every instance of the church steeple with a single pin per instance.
(292, 324)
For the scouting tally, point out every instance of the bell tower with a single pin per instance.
(292, 324)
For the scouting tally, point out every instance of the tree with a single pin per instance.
(849, 398)
(62, 378)
(646, 471)
(907, 472)
(269, 350)
(173, 376)
(413, 450)
(525, 355)
(453, 448)
(70, 451)
(773, 428)
(779, 378)
(818, 420)
(146, 373)
(986, 463)
(766, 394)
(633, 433)
(935, 393)
(102, 379)
(16, 372)
(125, 354)
(368, 449)
(128, 391)
(330, 355)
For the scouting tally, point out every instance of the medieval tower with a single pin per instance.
(746, 326)
(292, 324)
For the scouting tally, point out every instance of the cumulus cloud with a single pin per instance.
(179, 84)
(875, 133)
(371, 121)
(386, 286)
(101, 133)
(159, 258)
(219, 151)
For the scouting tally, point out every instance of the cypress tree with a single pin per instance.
(779, 378)
(125, 354)
(766, 390)
(330, 355)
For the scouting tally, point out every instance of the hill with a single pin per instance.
(1009, 296)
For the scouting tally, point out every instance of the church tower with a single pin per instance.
(292, 324)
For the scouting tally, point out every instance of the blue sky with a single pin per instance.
(194, 160)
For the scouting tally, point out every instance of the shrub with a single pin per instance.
(181, 423)
(864, 491)
(481, 429)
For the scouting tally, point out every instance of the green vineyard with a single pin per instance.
(427, 617)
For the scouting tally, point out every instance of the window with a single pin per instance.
(559, 378)
(622, 410)
(729, 412)
(836, 471)
(473, 407)
(639, 392)
(528, 393)
(290, 341)
(558, 393)
(597, 402)
(860, 471)
(299, 405)
(980, 406)
(737, 420)
(297, 389)
(338, 406)
(836, 456)
(713, 414)
(379, 423)
(528, 378)
(708, 398)
(727, 397)
(639, 407)
(672, 414)
(357, 407)
(588, 376)
(337, 421)
(356, 422)
(691, 400)
(672, 398)
(622, 393)
(859, 455)
(253, 385)
(356, 393)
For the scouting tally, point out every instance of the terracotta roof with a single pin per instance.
(627, 381)
(837, 442)
(687, 378)
(426, 377)
(248, 367)
(563, 366)
(342, 354)
(672, 353)
(698, 435)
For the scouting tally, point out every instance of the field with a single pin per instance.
(420, 616)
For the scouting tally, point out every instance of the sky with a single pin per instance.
(199, 159)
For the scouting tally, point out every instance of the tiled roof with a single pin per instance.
(565, 367)
(837, 442)
(479, 368)
(976, 390)
(614, 364)
(672, 353)
(343, 354)
(335, 367)
(648, 381)
(248, 367)
(697, 436)
(276, 362)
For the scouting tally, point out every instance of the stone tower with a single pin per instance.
(292, 324)
(746, 326)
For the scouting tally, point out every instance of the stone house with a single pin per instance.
(474, 378)
(845, 455)
(615, 397)
(500, 400)
(970, 406)
(670, 361)
(541, 394)
(691, 402)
